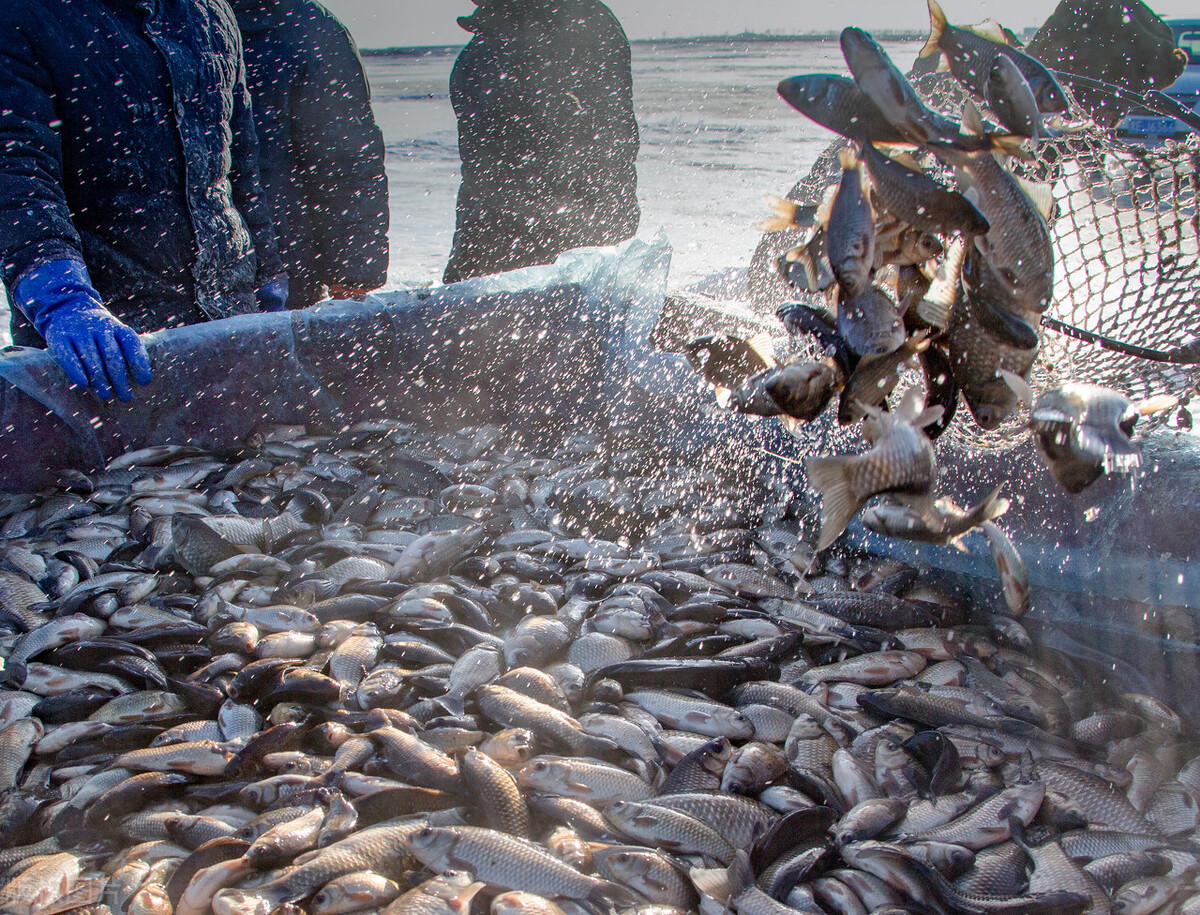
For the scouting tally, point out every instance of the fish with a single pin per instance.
(727, 362)
(222, 781)
(870, 323)
(945, 525)
(1017, 244)
(885, 86)
(838, 104)
(802, 390)
(598, 783)
(850, 232)
(972, 56)
(699, 716)
(1083, 431)
(1014, 577)
(901, 461)
(1011, 99)
(656, 877)
(508, 863)
(978, 361)
(876, 376)
(918, 200)
(800, 318)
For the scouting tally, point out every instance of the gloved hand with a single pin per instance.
(93, 347)
(273, 294)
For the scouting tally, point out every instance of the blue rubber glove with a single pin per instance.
(94, 349)
(273, 294)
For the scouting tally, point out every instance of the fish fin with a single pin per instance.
(785, 214)
(452, 704)
(943, 65)
(991, 30)
(929, 416)
(830, 477)
(825, 207)
(775, 224)
(764, 347)
(1009, 326)
(972, 120)
(1017, 385)
(1157, 404)
(937, 25)
(798, 255)
(1009, 144)
(935, 313)
(906, 158)
(992, 507)
(741, 874)
(712, 882)
(910, 406)
(782, 207)
(848, 158)
(917, 344)
(1039, 193)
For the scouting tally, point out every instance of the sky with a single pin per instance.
(412, 23)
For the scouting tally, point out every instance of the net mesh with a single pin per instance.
(1126, 234)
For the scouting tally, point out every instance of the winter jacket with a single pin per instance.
(320, 153)
(127, 142)
(547, 135)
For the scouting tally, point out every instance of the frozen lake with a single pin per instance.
(715, 138)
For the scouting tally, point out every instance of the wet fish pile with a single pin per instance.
(384, 670)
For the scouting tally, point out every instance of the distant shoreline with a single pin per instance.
(430, 50)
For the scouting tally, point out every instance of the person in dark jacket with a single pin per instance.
(320, 152)
(129, 188)
(547, 134)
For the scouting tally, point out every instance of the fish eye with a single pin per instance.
(622, 857)
(541, 766)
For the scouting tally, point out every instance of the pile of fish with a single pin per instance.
(426, 674)
(909, 270)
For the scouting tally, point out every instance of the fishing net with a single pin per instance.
(1126, 235)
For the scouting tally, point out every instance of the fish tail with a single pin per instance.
(1157, 404)
(782, 207)
(451, 703)
(1007, 144)
(831, 478)
(741, 874)
(937, 25)
(985, 512)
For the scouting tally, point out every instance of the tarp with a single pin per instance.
(524, 346)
